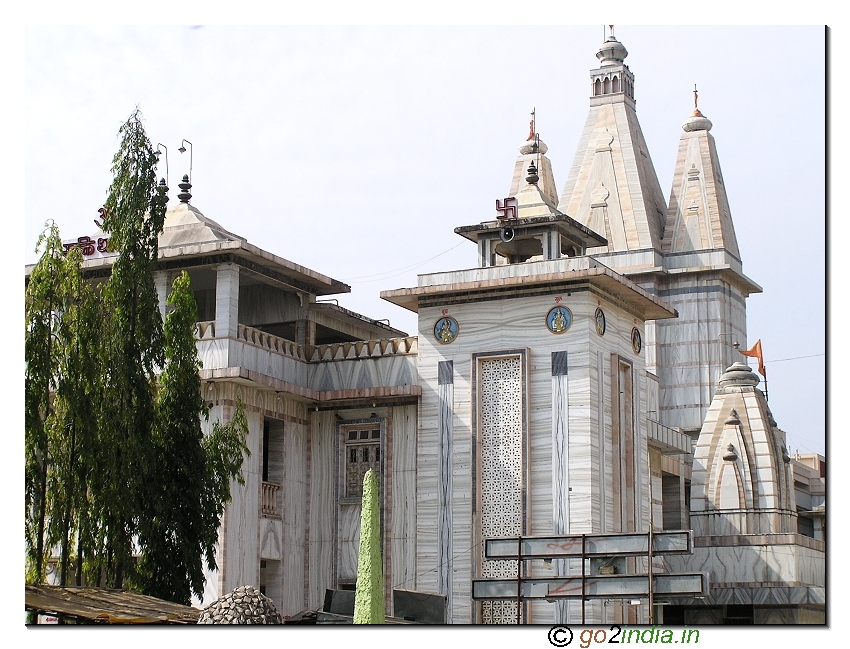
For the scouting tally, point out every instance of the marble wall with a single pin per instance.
(400, 505)
(321, 528)
(694, 349)
(753, 565)
(496, 327)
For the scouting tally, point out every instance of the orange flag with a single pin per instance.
(756, 352)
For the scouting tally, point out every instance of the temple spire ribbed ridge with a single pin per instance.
(612, 187)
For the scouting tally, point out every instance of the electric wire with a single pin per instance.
(398, 271)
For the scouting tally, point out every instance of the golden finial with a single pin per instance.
(696, 109)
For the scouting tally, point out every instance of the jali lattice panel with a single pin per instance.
(501, 480)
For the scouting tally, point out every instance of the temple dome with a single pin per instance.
(528, 147)
(697, 122)
(739, 374)
(612, 52)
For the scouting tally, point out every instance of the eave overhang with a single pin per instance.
(507, 278)
(566, 226)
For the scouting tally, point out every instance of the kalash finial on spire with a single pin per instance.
(612, 51)
(697, 122)
(532, 127)
(533, 144)
(696, 108)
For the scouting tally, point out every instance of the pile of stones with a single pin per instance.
(244, 605)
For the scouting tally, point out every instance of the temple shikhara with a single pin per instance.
(585, 377)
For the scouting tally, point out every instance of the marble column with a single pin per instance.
(227, 301)
(445, 395)
(162, 281)
(560, 467)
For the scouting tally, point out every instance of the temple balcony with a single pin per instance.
(337, 371)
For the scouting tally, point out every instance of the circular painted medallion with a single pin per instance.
(637, 343)
(600, 322)
(445, 331)
(559, 319)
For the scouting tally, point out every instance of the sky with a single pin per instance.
(356, 151)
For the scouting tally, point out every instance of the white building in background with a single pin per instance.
(581, 379)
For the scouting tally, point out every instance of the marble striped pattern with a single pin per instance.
(240, 560)
(445, 397)
(612, 187)
(694, 349)
(377, 372)
(349, 542)
(788, 564)
(560, 469)
(766, 502)
(520, 323)
(294, 518)
(321, 537)
(227, 300)
(243, 530)
(220, 353)
(401, 526)
(698, 217)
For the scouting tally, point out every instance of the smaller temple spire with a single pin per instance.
(532, 166)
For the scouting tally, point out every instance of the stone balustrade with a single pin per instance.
(268, 499)
(272, 343)
(320, 353)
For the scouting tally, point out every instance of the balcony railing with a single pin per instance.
(269, 500)
(268, 341)
(669, 440)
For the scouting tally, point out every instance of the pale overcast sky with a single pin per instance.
(356, 151)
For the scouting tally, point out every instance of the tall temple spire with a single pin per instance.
(703, 266)
(698, 217)
(612, 187)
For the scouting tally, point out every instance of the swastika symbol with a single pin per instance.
(507, 210)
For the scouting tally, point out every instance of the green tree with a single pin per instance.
(73, 424)
(180, 527)
(61, 381)
(116, 463)
(47, 294)
(132, 353)
(369, 596)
